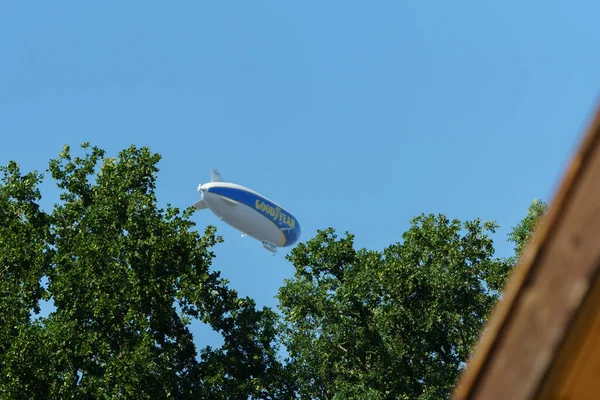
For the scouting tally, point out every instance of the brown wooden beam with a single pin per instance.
(545, 291)
(575, 372)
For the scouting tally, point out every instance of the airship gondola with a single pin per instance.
(249, 212)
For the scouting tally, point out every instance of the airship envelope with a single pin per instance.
(249, 212)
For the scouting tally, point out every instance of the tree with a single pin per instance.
(126, 278)
(522, 232)
(399, 323)
(396, 324)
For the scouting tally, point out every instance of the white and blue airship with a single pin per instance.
(249, 212)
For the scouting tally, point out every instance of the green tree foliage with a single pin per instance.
(126, 278)
(521, 233)
(396, 324)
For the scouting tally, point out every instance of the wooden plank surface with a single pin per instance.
(546, 289)
(575, 372)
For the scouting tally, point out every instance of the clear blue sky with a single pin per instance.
(354, 115)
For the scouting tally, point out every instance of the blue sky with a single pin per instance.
(353, 115)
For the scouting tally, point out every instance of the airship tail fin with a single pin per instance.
(215, 176)
(201, 205)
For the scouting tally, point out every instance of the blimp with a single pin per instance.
(249, 212)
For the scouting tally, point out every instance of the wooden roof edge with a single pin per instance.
(493, 329)
(578, 346)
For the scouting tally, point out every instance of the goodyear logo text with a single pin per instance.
(276, 214)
